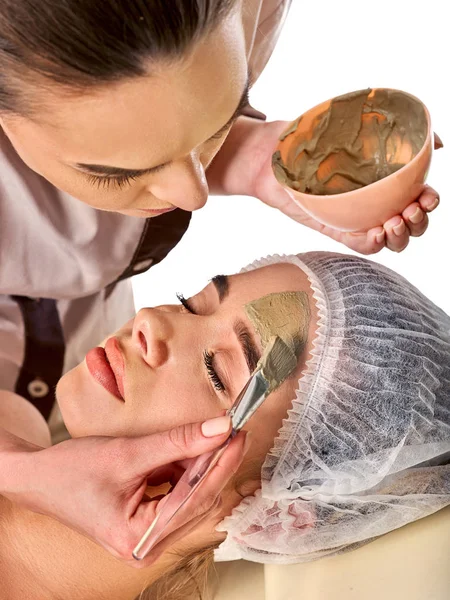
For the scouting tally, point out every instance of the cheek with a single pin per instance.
(44, 162)
(67, 392)
(98, 196)
(170, 400)
(268, 419)
(209, 151)
(80, 187)
(155, 402)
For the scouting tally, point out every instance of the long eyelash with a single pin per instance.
(182, 300)
(207, 356)
(215, 379)
(118, 182)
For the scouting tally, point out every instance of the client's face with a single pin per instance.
(176, 364)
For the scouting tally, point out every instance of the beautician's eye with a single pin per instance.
(212, 374)
(185, 303)
(118, 182)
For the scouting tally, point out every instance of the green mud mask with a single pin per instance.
(285, 315)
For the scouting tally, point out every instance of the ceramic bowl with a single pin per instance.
(357, 160)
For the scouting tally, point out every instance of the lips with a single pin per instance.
(107, 367)
(155, 212)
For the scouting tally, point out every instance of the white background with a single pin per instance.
(328, 47)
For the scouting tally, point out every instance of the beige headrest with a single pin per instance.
(410, 563)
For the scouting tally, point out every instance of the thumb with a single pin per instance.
(149, 452)
(438, 143)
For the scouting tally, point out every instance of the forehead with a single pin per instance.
(280, 277)
(249, 286)
(153, 118)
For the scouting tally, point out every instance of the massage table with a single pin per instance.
(410, 563)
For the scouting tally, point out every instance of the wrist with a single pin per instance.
(228, 173)
(243, 166)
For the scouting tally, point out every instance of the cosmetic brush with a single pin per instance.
(276, 364)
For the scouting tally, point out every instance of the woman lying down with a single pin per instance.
(355, 443)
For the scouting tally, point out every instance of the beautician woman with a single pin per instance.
(118, 118)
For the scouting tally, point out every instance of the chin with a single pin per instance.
(77, 422)
(87, 408)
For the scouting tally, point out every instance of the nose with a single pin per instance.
(184, 185)
(151, 333)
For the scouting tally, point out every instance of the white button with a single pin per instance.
(37, 388)
(143, 264)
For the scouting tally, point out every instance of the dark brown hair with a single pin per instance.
(80, 44)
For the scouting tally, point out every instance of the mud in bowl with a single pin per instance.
(355, 161)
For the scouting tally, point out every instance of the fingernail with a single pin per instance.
(216, 426)
(399, 229)
(380, 237)
(417, 216)
(433, 205)
(248, 441)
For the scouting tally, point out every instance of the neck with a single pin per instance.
(42, 559)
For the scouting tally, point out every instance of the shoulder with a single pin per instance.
(21, 418)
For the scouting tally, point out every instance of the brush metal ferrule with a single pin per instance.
(251, 397)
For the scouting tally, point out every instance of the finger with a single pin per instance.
(416, 219)
(207, 494)
(429, 199)
(124, 552)
(158, 498)
(227, 466)
(213, 515)
(437, 142)
(146, 453)
(397, 234)
(164, 544)
(204, 497)
(368, 242)
(166, 474)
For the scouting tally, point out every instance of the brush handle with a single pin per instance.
(250, 398)
(191, 479)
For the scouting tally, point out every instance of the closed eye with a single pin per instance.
(208, 357)
(118, 182)
(182, 300)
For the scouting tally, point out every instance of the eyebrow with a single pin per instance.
(110, 171)
(249, 348)
(222, 285)
(245, 338)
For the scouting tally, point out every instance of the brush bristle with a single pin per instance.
(279, 362)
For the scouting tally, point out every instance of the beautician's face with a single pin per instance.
(171, 124)
(159, 360)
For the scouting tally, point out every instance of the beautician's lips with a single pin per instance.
(106, 366)
(156, 212)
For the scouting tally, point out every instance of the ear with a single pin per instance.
(245, 483)
(248, 487)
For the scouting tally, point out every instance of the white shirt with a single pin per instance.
(67, 256)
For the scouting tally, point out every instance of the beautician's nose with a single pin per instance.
(152, 331)
(184, 185)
